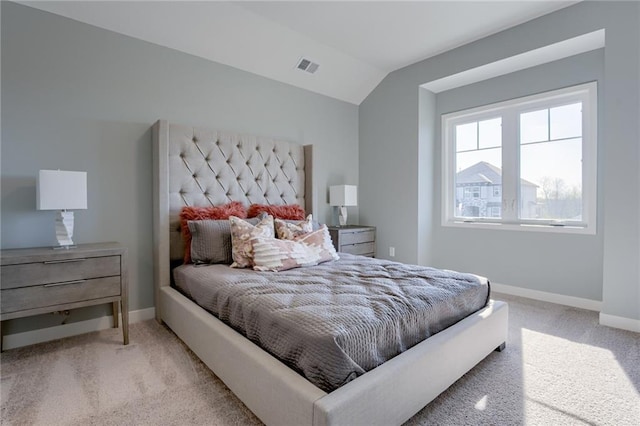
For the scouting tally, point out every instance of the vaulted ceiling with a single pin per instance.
(356, 44)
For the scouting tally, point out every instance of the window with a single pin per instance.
(528, 163)
(472, 192)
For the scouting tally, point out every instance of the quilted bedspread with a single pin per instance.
(335, 321)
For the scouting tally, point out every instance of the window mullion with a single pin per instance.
(510, 165)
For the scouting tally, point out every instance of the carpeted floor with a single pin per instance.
(560, 368)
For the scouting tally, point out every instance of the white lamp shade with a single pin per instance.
(343, 195)
(61, 190)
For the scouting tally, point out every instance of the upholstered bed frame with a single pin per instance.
(194, 166)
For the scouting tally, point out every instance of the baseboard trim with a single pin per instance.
(620, 322)
(26, 338)
(560, 299)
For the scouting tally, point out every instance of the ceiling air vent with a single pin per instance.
(307, 65)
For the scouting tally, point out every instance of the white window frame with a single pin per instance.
(509, 111)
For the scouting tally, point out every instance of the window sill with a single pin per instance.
(564, 229)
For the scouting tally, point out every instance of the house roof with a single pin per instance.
(484, 173)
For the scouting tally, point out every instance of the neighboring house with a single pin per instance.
(479, 192)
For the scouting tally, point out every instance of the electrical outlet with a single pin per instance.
(392, 251)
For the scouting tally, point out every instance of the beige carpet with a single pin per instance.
(560, 368)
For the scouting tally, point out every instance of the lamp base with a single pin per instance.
(64, 228)
(342, 215)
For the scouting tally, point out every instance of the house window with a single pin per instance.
(535, 157)
(472, 192)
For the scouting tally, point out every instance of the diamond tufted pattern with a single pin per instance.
(209, 167)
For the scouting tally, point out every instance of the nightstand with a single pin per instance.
(41, 280)
(354, 239)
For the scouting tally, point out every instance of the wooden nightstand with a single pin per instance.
(41, 280)
(354, 239)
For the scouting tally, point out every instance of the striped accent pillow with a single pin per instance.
(271, 254)
(234, 208)
(211, 240)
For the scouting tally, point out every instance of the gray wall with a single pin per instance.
(399, 124)
(76, 97)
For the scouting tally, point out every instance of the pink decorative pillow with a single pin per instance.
(270, 254)
(290, 230)
(286, 211)
(242, 232)
(234, 208)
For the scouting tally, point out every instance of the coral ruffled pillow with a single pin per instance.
(270, 254)
(290, 230)
(234, 208)
(242, 232)
(286, 211)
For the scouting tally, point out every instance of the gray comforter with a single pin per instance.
(335, 321)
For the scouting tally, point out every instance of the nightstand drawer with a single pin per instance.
(356, 237)
(362, 248)
(58, 293)
(56, 271)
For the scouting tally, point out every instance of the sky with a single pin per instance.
(550, 144)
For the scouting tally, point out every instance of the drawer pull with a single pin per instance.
(48, 262)
(65, 283)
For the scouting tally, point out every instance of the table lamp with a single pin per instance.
(343, 196)
(63, 191)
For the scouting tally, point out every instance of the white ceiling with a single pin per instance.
(356, 43)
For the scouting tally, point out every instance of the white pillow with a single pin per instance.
(271, 254)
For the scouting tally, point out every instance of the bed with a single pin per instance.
(198, 166)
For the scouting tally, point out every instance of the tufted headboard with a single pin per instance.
(203, 167)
